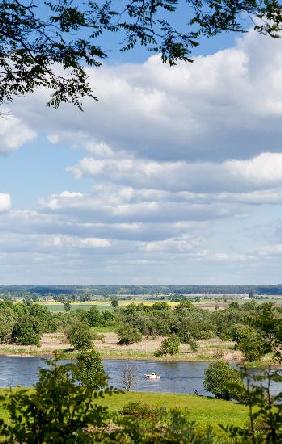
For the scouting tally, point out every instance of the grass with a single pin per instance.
(204, 411)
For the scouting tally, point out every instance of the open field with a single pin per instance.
(203, 410)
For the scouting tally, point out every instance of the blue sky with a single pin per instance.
(174, 176)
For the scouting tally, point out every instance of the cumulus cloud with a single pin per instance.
(177, 168)
(14, 133)
(262, 171)
(206, 111)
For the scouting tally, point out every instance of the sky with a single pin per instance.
(173, 177)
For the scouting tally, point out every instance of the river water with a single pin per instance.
(176, 377)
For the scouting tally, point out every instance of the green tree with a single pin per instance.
(251, 342)
(26, 330)
(67, 306)
(34, 40)
(169, 346)
(89, 371)
(114, 303)
(127, 334)
(58, 410)
(7, 322)
(223, 381)
(93, 316)
(79, 335)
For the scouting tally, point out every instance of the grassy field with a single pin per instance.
(204, 411)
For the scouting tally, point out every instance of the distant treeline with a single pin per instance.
(86, 292)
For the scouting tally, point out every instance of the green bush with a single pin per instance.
(128, 335)
(79, 335)
(26, 331)
(169, 346)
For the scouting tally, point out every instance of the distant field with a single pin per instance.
(207, 304)
(56, 307)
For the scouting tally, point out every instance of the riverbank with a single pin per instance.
(108, 347)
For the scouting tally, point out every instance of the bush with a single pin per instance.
(139, 410)
(26, 331)
(128, 335)
(223, 381)
(79, 335)
(169, 346)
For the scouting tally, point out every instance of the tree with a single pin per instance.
(52, 46)
(7, 321)
(67, 306)
(223, 381)
(89, 371)
(26, 330)
(128, 377)
(169, 346)
(93, 316)
(251, 342)
(58, 410)
(128, 335)
(79, 335)
(114, 303)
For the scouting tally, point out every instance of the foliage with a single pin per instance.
(140, 410)
(223, 381)
(89, 370)
(79, 335)
(52, 45)
(169, 346)
(265, 409)
(250, 342)
(93, 316)
(57, 411)
(26, 331)
(128, 335)
(7, 321)
(67, 306)
(114, 302)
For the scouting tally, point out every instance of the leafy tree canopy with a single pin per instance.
(223, 381)
(50, 43)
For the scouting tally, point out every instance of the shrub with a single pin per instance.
(79, 335)
(26, 331)
(139, 410)
(169, 346)
(128, 335)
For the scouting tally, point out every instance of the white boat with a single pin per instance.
(152, 375)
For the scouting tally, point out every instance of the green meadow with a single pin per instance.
(204, 411)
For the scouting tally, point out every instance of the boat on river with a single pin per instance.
(152, 376)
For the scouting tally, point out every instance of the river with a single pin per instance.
(176, 377)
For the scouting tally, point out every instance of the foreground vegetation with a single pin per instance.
(205, 411)
(73, 403)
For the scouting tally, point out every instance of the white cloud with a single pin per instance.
(5, 202)
(226, 105)
(14, 133)
(75, 242)
(262, 171)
